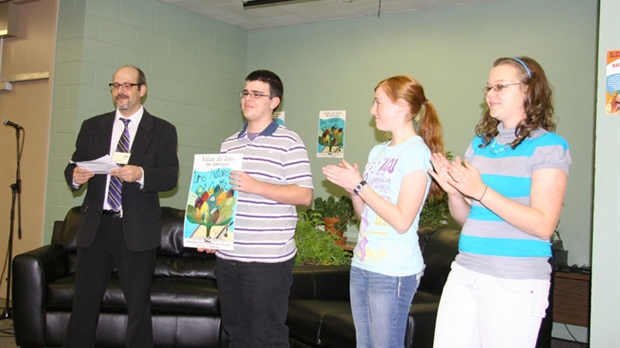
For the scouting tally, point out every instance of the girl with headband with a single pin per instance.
(507, 194)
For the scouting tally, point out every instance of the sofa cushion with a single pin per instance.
(330, 323)
(182, 296)
(321, 282)
(69, 230)
(439, 252)
(191, 265)
(60, 295)
(422, 296)
(183, 281)
(305, 317)
(338, 330)
(171, 231)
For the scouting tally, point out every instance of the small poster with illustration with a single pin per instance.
(279, 117)
(612, 95)
(331, 133)
(211, 203)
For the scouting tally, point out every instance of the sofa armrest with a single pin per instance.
(32, 271)
(330, 283)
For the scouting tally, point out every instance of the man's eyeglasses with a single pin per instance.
(498, 87)
(253, 94)
(125, 85)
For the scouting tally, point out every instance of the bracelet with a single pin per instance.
(483, 193)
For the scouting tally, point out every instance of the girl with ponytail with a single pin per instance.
(387, 262)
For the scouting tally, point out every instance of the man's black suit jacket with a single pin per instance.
(155, 150)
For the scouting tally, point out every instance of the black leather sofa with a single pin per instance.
(319, 310)
(185, 304)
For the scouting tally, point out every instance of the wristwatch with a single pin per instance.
(359, 187)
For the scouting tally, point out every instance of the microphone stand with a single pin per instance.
(16, 192)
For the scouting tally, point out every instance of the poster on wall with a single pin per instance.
(211, 202)
(331, 133)
(612, 88)
(279, 117)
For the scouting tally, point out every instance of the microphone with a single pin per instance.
(14, 125)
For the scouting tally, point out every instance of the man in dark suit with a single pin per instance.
(120, 219)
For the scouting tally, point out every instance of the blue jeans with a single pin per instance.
(380, 306)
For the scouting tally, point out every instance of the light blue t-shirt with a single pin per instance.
(379, 247)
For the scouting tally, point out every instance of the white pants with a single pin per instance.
(477, 310)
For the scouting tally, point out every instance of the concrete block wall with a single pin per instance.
(194, 66)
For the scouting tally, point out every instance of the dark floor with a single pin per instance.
(7, 339)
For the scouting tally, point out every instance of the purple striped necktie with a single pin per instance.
(114, 191)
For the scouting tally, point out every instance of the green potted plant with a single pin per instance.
(315, 246)
(436, 212)
(336, 214)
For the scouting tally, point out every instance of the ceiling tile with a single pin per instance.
(304, 11)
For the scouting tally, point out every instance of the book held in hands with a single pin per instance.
(211, 203)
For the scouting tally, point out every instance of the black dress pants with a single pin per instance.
(95, 264)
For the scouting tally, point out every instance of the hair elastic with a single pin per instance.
(416, 120)
(525, 66)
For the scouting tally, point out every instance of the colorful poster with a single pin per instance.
(612, 95)
(279, 117)
(331, 133)
(211, 203)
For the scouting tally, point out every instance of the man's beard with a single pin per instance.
(119, 100)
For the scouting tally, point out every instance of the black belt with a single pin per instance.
(112, 213)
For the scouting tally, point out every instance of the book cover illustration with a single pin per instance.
(331, 133)
(211, 203)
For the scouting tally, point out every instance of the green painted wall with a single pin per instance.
(194, 67)
(605, 302)
(336, 65)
